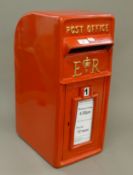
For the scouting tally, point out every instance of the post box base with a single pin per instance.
(78, 158)
(64, 162)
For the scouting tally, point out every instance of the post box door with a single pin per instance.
(83, 133)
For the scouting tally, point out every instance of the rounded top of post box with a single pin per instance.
(70, 14)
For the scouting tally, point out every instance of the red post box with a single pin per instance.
(63, 64)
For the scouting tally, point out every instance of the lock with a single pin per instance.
(63, 67)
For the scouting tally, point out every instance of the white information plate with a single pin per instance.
(83, 125)
(83, 41)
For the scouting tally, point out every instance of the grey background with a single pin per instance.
(16, 157)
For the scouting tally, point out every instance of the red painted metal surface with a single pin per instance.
(48, 90)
